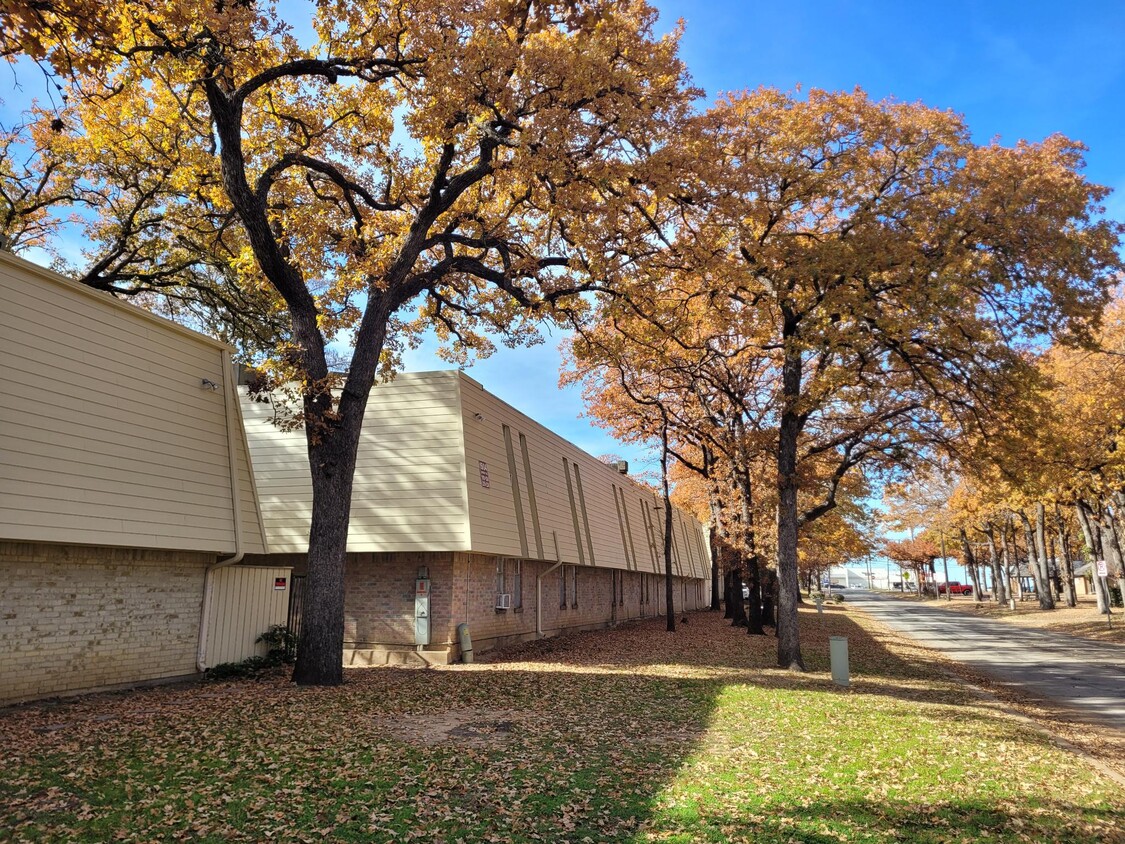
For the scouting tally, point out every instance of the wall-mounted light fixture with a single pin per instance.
(208, 384)
(479, 417)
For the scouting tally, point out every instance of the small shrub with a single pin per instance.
(281, 647)
(281, 644)
(249, 667)
(837, 598)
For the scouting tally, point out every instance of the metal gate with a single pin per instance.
(296, 607)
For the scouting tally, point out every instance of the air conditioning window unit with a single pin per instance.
(504, 601)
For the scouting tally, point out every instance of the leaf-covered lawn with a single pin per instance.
(632, 735)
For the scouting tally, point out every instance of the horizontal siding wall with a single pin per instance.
(599, 516)
(244, 605)
(408, 493)
(107, 436)
(253, 529)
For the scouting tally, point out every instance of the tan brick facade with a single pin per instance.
(78, 618)
(379, 602)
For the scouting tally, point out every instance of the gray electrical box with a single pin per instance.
(422, 609)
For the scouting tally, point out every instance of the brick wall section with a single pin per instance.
(476, 600)
(77, 618)
(379, 600)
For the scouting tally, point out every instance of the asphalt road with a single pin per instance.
(1086, 676)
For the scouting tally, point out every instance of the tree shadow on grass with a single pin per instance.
(774, 821)
(629, 735)
(882, 664)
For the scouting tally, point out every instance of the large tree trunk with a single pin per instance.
(332, 456)
(1043, 584)
(769, 598)
(1093, 544)
(788, 636)
(1111, 556)
(754, 602)
(1012, 557)
(736, 604)
(669, 596)
(716, 560)
(971, 566)
(945, 565)
(717, 528)
(1066, 566)
(1032, 562)
(753, 569)
(1115, 522)
(1114, 556)
(716, 598)
(999, 581)
(1053, 568)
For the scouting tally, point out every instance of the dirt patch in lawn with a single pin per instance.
(474, 727)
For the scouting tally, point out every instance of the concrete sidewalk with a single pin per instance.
(1085, 676)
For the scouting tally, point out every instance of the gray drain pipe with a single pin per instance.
(539, 588)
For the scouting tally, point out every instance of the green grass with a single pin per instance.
(630, 736)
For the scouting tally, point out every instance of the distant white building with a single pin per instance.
(849, 578)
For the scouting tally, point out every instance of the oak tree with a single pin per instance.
(477, 161)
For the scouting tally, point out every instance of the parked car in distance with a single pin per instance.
(955, 588)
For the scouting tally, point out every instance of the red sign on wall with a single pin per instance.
(279, 583)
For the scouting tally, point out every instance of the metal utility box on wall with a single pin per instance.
(246, 602)
(422, 608)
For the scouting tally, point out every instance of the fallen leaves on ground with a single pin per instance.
(633, 734)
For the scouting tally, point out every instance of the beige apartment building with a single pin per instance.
(154, 519)
(519, 533)
(124, 481)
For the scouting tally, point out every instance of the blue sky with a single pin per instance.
(1014, 70)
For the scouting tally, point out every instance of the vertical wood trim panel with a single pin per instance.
(531, 497)
(517, 498)
(646, 516)
(585, 515)
(629, 531)
(704, 552)
(573, 512)
(621, 524)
